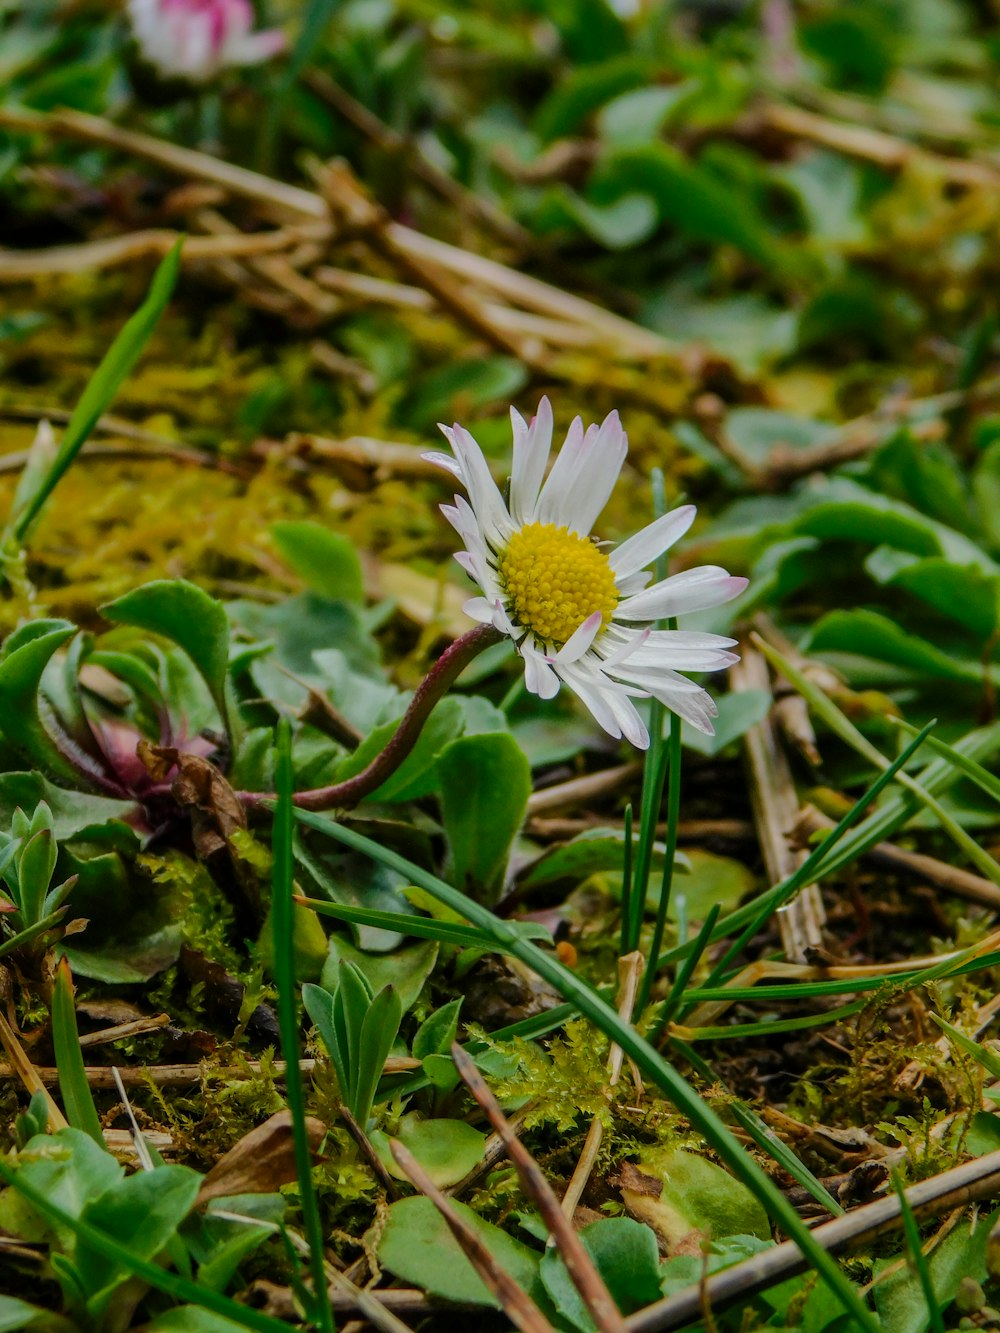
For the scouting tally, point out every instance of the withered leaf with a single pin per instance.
(262, 1161)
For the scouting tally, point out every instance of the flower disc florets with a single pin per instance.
(580, 615)
(555, 580)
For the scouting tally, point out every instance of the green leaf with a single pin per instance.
(963, 593)
(35, 863)
(710, 879)
(406, 969)
(900, 1300)
(869, 634)
(847, 511)
(187, 616)
(698, 1195)
(592, 852)
(319, 1005)
(738, 712)
(417, 1246)
(436, 1033)
(326, 561)
(141, 1213)
(68, 1169)
(626, 1256)
(16, 1314)
(756, 432)
(585, 90)
(193, 1319)
(21, 669)
(446, 1149)
(689, 197)
(378, 1032)
(101, 389)
(485, 785)
(77, 1097)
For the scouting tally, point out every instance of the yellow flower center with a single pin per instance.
(555, 580)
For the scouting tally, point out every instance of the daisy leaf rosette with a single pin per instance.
(582, 614)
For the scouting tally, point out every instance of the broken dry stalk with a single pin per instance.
(517, 1304)
(629, 972)
(579, 1264)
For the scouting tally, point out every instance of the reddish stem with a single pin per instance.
(444, 672)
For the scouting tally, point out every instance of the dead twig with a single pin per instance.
(101, 1078)
(579, 1265)
(957, 1188)
(775, 807)
(576, 791)
(517, 1304)
(953, 879)
(629, 972)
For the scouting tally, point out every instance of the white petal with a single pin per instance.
(532, 446)
(446, 461)
(698, 709)
(539, 678)
(594, 691)
(692, 590)
(657, 537)
(549, 508)
(658, 683)
(597, 472)
(580, 640)
(254, 47)
(478, 608)
(485, 498)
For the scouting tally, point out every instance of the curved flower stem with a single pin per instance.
(442, 675)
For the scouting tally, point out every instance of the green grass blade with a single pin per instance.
(771, 1026)
(101, 389)
(78, 1100)
(989, 1060)
(981, 744)
(766, 1138)
(841, 726)
(282, 910)
(755, 914)
(626, 903)
(425, 927)
(649, 1060)
(917, 1257)
(670, 856)
(653, 778)
(685, 971)
(982, 777)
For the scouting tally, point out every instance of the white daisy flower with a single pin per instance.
(197, 39)
(581, 615)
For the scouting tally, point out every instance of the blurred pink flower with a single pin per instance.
(197, 39)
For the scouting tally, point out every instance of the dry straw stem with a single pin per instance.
(871, 145)
(289, 203)
(360, 214)
(517, 1304)
(775, 808)
(578, 791)
(709, 1011)
(953, 879)
(101, 1078)
(861, 435)
(22, 1068)
(957, 1188)
(629, 972)
(112, 251)
(579, 1265)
